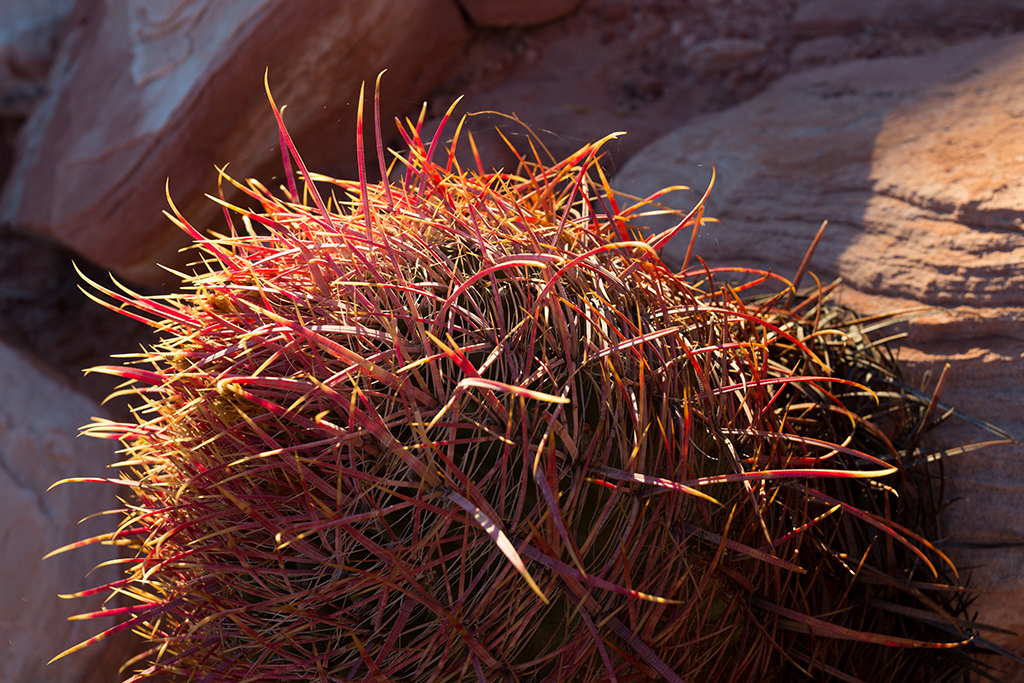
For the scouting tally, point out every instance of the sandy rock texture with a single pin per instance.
(723, 55)
(502, 13)
(819, 17)
(39, 419)
(915, 162)
(832, 31)
(28, 41)
(142, 91)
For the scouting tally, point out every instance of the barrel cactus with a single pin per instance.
(463, 425)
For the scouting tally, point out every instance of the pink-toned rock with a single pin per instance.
(722, 54)
(818, 51)
(820, 17)
(39, 420)
(499, 13)
(142, 91)
(28, 40)
(916, 163)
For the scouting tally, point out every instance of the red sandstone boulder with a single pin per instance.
(39, 420)
(722, 54)
(28, 40)
(916, 163)
(820, 17)
(144, 91)
(499, 13)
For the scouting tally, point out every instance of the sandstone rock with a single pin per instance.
(823, 50)
(498, 13)
(722, 54)
(39, 421)
(820, 17)
(28, 40)
(915, 162)
(142, 91)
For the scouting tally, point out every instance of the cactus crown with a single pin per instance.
(468, 426)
